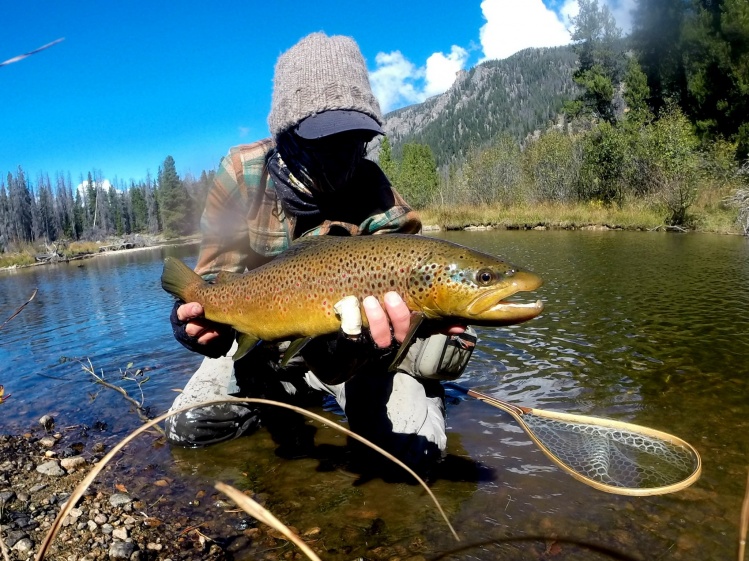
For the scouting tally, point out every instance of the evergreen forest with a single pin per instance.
(656, 120)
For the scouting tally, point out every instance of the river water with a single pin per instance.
(640, 327)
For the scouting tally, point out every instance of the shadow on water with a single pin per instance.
(641, 327)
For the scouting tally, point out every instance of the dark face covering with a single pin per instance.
(327, 164)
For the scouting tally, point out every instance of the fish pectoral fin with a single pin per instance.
(294, 349)
(246, 344)
(416, 319)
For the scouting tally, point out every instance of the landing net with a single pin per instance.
(615, 458)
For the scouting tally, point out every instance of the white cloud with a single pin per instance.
(622, 12)
(511, 25)
(103, 183)
(397, 81)
(441, 70)
(393, 80)
(514, 25)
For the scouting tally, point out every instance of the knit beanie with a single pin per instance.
(320, 73)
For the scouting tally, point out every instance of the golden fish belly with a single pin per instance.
(268, 306)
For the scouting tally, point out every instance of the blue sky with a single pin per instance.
(133, 82)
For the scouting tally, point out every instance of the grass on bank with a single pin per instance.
(710, 216)
(26, 254)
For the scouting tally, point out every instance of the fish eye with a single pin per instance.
(485, 276)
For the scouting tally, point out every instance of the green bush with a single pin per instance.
(673, 164)
(552, 164)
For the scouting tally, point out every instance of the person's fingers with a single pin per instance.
(379, 325)
(399, 314)
(189, 311)
(207, 336)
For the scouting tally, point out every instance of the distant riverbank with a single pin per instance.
(73, 251)
(709, 217)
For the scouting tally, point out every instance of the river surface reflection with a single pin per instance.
(641, 327)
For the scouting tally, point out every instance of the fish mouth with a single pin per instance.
(492, 306)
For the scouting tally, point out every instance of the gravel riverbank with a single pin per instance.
(38, 472)
(138, 511)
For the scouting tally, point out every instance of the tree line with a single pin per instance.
(92, 209)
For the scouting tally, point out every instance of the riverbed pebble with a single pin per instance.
(120, 499)
(51, 468)
(72, 463)
(48, 422)
(121, 550)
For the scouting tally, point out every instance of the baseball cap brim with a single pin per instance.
(335, 121)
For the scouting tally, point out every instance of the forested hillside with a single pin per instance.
(513, 96)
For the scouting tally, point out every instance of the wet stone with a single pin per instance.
(47, 442)
(73, 462)
(121, 550)
(120, 499)
(23, 546)
(47, 421)
(51, 468)
(7, 497)
(14, 536)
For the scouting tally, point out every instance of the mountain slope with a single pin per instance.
(515, 96)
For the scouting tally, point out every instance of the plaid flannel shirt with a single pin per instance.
(244, 223)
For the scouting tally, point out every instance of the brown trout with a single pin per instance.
(292, 297)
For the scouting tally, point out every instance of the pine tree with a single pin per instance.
(174, 201)
(597, 46)
(5, 219)
(139, 207)
(79, 215)
(657, 38)
(152, 206)
(418, 178)
(20, 205)
(388, 165)
(48, 225)
(636, 95)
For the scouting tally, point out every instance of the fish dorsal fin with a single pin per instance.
(416, 319)
(227, 276)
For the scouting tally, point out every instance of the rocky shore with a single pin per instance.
(143, 512)
(38, 472)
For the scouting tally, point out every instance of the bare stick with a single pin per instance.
(21, 307)
(138, 406)
(255, 510)
(6, 557)
(744, 522)
(86, 482)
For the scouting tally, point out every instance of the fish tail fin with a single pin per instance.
(176, 278)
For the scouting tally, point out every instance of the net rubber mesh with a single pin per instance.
(613, 456)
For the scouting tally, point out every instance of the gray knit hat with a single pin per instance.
(323, 74)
